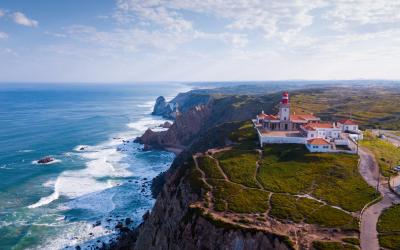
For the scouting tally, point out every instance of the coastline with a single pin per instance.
(125, 225)
(101, 184)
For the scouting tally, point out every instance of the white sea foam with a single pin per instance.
(80, 147)
(149, 105)
(25, 151)
(4, 166)
(45, 200)
(145, 123)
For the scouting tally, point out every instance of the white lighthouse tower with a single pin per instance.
(284, 108)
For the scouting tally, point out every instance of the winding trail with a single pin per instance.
(369, 170)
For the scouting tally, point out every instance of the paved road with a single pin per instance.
(394, 139)
(369, 170)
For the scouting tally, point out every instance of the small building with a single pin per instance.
(319, 145)
(348, 125)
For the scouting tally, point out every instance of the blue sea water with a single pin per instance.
(99, 174)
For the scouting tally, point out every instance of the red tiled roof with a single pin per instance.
(268, 117)
(314, 126)
(318, 141)
(304, 117)
(321, 125)
(347, 122)
(309, 128)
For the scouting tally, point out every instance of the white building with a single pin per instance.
(306, 129)
(319, 145)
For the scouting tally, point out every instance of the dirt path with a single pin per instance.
(219, 167)
(369, 170)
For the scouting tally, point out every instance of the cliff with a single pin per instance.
(181, 132)
(196, 120)
(174, 224)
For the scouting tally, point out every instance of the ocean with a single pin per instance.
(99, 176)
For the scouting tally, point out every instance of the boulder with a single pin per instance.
(165, 125)
(45, 160)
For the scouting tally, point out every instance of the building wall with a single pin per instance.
(324, 133)
(281, 140)
(319, 148)
(348, 127)
(284, 112)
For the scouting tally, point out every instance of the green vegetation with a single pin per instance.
(288, 207)
(325, 245)
(238, 199)
(353, 241)
(210, 168)
(385, 152)
(371, 107)
(239, 166)
(389, 228)
(245, 133)
(333, 178)
(196, 183)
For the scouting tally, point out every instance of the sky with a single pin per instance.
(198, 40)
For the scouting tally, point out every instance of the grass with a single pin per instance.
(196, 183)
(239, 166)
(333, 178)
(245, 133)
(352, 241)
(386, 154)
(325, 245)
(389, 228)
(210, 168)
(238, 199)
(377, 107)
(288, 207)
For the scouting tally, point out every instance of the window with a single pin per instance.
(286, 126)
(312, 135)
(315, 146)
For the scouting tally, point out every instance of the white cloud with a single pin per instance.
(2, 13)
(20, 18)
(3, 35)
(364, 12)
(272, 18)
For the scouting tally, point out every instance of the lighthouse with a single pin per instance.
(284, 108)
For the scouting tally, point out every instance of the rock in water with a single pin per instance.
(45, 160)
(163, 108)
(128, 221)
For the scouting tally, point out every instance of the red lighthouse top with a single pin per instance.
(285, 98)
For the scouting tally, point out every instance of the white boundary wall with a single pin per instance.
(280, 140)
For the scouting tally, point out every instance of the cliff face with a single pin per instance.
(172, 225)
(192, 123)
(181, 132)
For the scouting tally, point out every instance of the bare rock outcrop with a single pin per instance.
(181, 132)
(164, 108)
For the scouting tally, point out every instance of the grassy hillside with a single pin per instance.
(389, 228)
(333, 178)
(371, 107)
(386, 154)
(284, 181)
